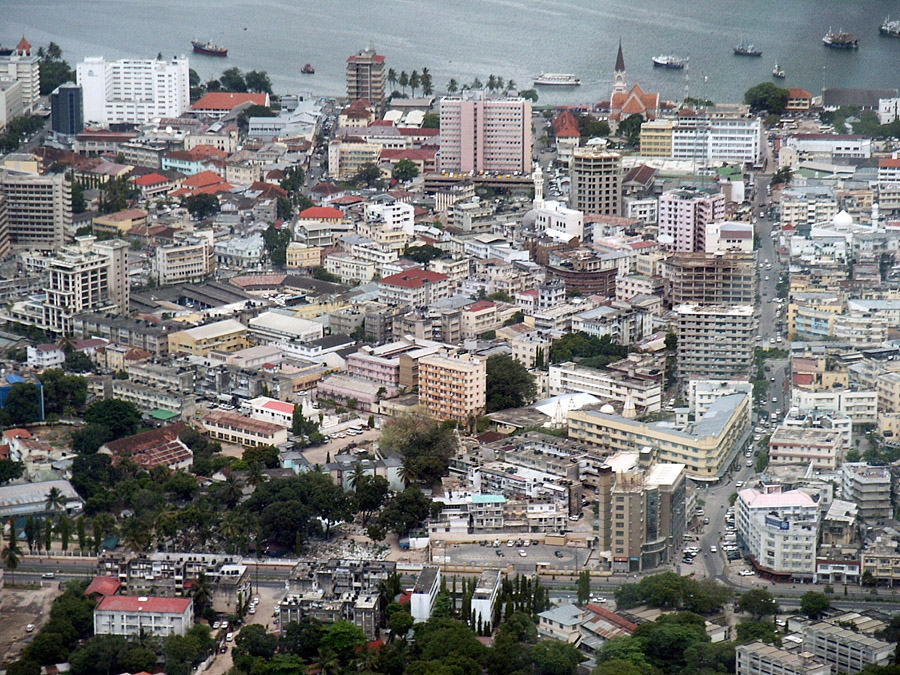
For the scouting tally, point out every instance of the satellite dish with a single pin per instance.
(169, 130)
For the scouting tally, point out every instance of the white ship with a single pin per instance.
(557, 80)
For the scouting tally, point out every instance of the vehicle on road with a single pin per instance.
(558, 554)
(29, 628)
(500, 554)
(713, 549)
(747, 573)
(229, 637)
(48, 575)
(523, 553)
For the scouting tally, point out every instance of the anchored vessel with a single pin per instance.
(208, 48)
(668, 62)
(840, 40)
(557, 80)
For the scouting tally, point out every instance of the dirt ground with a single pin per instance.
(18, 608)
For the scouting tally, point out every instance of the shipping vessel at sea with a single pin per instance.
(308, 69)
(668, 62)
(208, 48)
(747, 50)
(778, 72)
(557, 80)
(890, 28)
(840, 40)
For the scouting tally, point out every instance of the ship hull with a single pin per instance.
(202, 49)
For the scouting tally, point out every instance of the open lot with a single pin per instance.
(21, 607)
(571, 558)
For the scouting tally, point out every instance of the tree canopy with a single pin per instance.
(424, 445)
(509, 384)
(766, 96)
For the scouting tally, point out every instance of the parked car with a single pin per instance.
(558, 554)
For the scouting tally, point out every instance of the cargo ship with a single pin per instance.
(208, 48)
(308, 69)
(840, 40)
(557, 80)
(747, 50)
(668, 62)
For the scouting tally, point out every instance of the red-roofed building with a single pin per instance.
(414, 287)
(129, 615)
(423, 158)
(324, 214)
(220, 103)
(634, 102)
(798, 99)
(565, 125)
(639, 180)
(159, 447)
(889, 171)
(153, 185)
(24, 47)
(103, 586)
(197, 159)
(272, 410)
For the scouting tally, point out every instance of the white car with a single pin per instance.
(523, 553)
(747, 573)
(29, 628)
(713, 549)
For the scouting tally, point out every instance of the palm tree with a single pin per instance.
(408, 475)
(201, 594)
(255, 474)
(11, 553)
(55, 500)
(510, 85)
(452, 86)
(48, 535)
(477, 84)
(392, 78)
(230, 492)
(31, 532)
(427, 86)
(357, 476)
(403, 80)
(328, 662)
(135, 534)
(165, 523)
(414, 81)
(499, 83)
(492, 82)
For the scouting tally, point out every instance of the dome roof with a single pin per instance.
(529, 219)
(842, 219)
(607, 409)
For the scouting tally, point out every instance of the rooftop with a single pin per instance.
(128, 603)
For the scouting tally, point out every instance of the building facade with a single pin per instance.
(596, 181)
(453, 387)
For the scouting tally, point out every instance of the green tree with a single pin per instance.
(392, 78)
(343, 638)
(766, 96)
(369, 175)
(47, 649)
(764, 631)
(630, 128)
(758, 603)
(89, 439)
(10, 470)
(258, 81)
(584, 587)
(431, 121)
(403, 80)
(452, 86)
(814, 604)
(233, 80)
(12, 554)
(120, 417)
(23, 403)
(62, 391)
(509, 384)
(79, 362)
(202, 206)
(617, 667)
(671, 341)
(371, 494)
(54, 71)
(267, 455)
(254, 640)
(424, 445)
(407, 510)
(405, 170)
(529, 95)
(551, 657)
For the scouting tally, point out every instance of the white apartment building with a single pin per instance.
(860, 406)
(703, 393)
(133, 90)
(479, 133)
(25, 68)
(759, 658)
(424, 593)
(527, 347)
(718, 137)
(133, 616)
(847, 146)
(453, 387)
(845, 650)
(683, 215)
(715, 341)
(780, 531)
(728, 236)
(801, 207)
(349, 268)
(484, 599)
(822, 448)
(869, 487)
(394, 215)
(240, 430)
(190, 260)
(38, 209)
(272, 410)
(624, 323)
(606, 385)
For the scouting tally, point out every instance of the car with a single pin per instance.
(772, 378)
(252, 610)
(747, 573)
(706, 520)
(501, 554)
(713, 549)
(599, 599)
(224, 625)
(558, 554)
(29, 628)
(527, 542)
(48, 575)
(229, 637)
(216, 625)
(523, 553)
(749, 462)
(774, 399)
(739, 484)
(510, 543)
(498, 552)
(223, 649)
(687, 561)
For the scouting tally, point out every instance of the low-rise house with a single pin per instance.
(562, 623)
(143, 615)
(159, 447)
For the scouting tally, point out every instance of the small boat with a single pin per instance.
(557, 80)
(890, 28)
(668, 62)
(840, 40)
(778, 72)
(308, 69)
(208, 48)
(747, 50)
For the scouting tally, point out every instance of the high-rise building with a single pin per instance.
(4, 227)
(23, 66)
(133, 90)
(683, 215)
(116, 252)
(596, 181)
(67, 109)
(366, 76)
(479, 133)
(39, 209)
(453, 387)
(10, 101)
(711, 278)
(715, 341)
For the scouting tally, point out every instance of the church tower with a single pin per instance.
(619, 83)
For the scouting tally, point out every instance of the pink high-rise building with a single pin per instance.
(683, 216)
(484, 134)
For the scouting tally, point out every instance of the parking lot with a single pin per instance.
(553, 557)
(20, 608)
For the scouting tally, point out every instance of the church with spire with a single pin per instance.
(624, 102)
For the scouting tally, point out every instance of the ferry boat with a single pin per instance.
(668, 62)
(557, 80)
(890, 28)
(778, 72)
(747, 50)
(208, 48)
(308, 69)
(840, 40)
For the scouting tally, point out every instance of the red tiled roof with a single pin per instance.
(150, 180)
(411, 154)
(613, 618)
(268, 189)
(279, 406)
(803, 378)
(642, 174)
(413, 278)
(566, 126)
(480, 305)
(158, 447)
(226, 100)
(321, 212)
(103, 586)
(643, 244)
(889, 164)
(326, 188)
(798, 93)
(347, 200)
(130, 603)
(24, 45)
(202, 179)
(424, 131)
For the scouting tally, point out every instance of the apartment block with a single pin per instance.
(415, 287)
(759, 658)
(480, 134)
(135, 616)
(484, 598)
(38, 208)
(845, 650)
(366, 76)
(453, 387)
(425, 591)
(715, 341)
(301, 256)
(644, 395)
(24, 67)
(133, 90)
(188, 261)
(821, 447)
(596, 181)
(683, 216)
(860, 406)
(240, 430)
(67, 109)
(869, 487)
(710, 279)
(229, 335)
